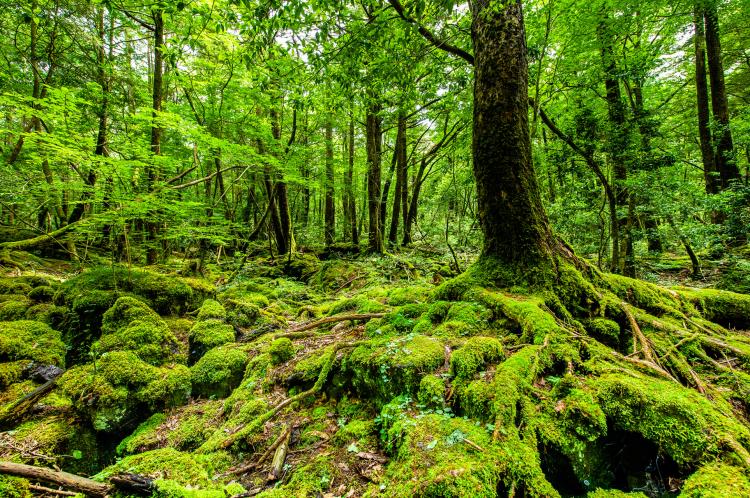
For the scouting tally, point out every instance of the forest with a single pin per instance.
(374, 248)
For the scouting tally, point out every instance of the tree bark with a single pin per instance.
(724, 148)
(400, 178)
(710, 174)
(152, 253)
(374, 144)
(350, 185)
(516, 229)
(330, 206)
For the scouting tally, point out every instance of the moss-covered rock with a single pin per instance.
(281, 350)
(431, 392)
(207, 335)
(120, 389)
(166, 294)
(212, 309)
(184, 469)
(15, 308)
(218, 372)
(42, 294)
(29, 340)
(388, 368)
(130, 325)
(726, 308)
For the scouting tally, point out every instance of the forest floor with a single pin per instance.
(342, 376)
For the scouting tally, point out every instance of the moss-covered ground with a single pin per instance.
(251, 383)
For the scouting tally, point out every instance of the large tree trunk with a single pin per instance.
(374, 143)
(400, 178)
(516, 230)
(330, 206)
(710, 173)
(725, 161)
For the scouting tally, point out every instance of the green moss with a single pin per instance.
(166, 488)
(14, 285)
(52, 315)
(432, 458)
(145, 436)
(614, 493)
(14, 487)
(184, 428)
(407, 294)
(473, 355)
(281, 351)
(243, 312)
(687, 426)
(218, 372)
(29, 340)
(207, 335)
(212, 309)
(359, 304)
(716, 480)
(11, 372)
(43, 294)
(729, 309)
(394, 367)
(311, 479)
(14, 309)
(604, 330)
(431, 392)
(169, 464)
(166, 294)
(130, 325)
(360, 433)
(119, 389)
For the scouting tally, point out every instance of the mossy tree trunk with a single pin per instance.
(701, 87)
(401, 165)
(515, 226)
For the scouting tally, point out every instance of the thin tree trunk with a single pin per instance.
(400, 178)
(724, 148)
(374, 145)
(330, 205)
(156, 131)
(350, 182)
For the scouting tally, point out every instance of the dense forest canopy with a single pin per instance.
(375, 248)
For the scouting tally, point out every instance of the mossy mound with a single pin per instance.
(130, 325)
(207, 335)
(164, 293)
(30, 340)
(119, 389)
(218, 372)
(387, 368)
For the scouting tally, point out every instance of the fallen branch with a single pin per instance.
(46, 490)
(15, 412)
(638, 333)
(279, 456)
(59, 478)
(129, 483)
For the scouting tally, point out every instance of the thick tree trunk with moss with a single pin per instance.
(516, 230)
(152, 226)
(398, 194)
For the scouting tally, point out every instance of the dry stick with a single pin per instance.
(279, 457)
(263, 457)
(43, 489)
(63, 479)
(260, 420)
